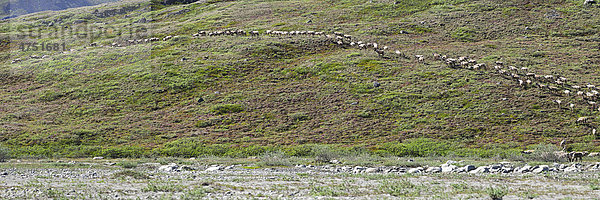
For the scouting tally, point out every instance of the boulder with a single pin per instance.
(524, 169)
(507, 169)
(171, 167)
(589, 2)
(415, 170)
(466, 168)
(482, 169)
(541, 168)
(571, 169)
(372, 170)
(433, 170)
(358, 169)
(446, 168)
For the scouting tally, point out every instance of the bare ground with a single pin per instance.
(100, 180)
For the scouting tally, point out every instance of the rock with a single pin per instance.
(300, 166)
(446, 168)
(571, 169)
(229, 167)
(466, 168)
(541, 168)
(401, 170)
(98, 158)
(335, 162)
(507, 169)
(358, 169)
(192, 158)
(110, 163)
(376, 84)
(524, 169)
(169, 168)
(4, 174)
(372, 170)
(482, 169)
(415, 170)
(215, 168)
(589, 2)
(434, 170)
(186, 168)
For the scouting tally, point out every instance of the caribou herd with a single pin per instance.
(572, 93)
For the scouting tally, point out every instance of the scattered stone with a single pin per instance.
(571, 169)
(415, 170)
(482, 169)
(434, 170)
(372, 170)
(541, 168)
(186, 168)
(466, 168)
(376, 84)
(589, 2)
(215, 168)
(172, 167)
(507, 169)
(447, 168)
(358, 169)
(524, 169)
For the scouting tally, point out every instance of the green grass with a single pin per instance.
(269, 93)
(496, 193)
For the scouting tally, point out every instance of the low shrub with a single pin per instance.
(4, 154)
(227, 108)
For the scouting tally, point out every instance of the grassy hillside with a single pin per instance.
(21, 7)
(298, 90)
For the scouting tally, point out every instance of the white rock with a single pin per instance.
(434, 170)
(446, 168)
(372, 170)
(571, 169)
(169, 168)
(524, 169)
(98, 158)
(216, 168)
(541, 168)
(466, 168)
(415, 170)
(482, 169)
(589, 2)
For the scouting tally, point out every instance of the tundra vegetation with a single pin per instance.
(305, 78)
